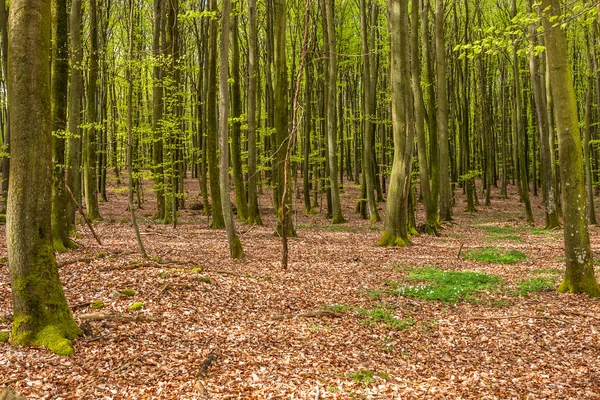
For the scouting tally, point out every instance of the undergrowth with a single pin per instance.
(494, 255)
(445, 286)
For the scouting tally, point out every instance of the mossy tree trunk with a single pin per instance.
(40, 310)
(396, 216)
(60, 83)
(579, 274)
(235, 246)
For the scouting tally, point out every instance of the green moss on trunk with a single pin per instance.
(389, 239)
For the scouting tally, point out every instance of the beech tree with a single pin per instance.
(41, 315)
(579, 274)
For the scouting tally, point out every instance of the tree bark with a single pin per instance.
(41, 315)
(73, 178)
(235, 246)
(236, 125)
(90, 174)
(396, 215)
(253, 210)
(211, 126)
(368, 116)
(329, 26)
(579, 274)
(157, 112)
(60, 82)
(442, 113)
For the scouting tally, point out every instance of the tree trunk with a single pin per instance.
(253, 210)
(90, 175)
(396, 215)
(235, 246)
(41, 315)
(74, 142)
(157, 112)
(211, 126)
(368, 116)
(579, 274)
(236, 128)
(60, 83)
(329, 26)
(5, 163)
(130, 133)
(442, 113)
(431, 216)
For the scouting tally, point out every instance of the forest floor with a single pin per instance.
(347, 320)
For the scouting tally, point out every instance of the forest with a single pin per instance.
(304, 199)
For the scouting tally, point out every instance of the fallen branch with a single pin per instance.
(86, 219)
(517, 317)
(311, 314)
(460, 250)
(103, 316)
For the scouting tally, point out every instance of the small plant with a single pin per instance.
(495, 255)
(198, 270)
(553, 271)
(128, 292)
(4, 337)
(446, 286)
(363, 377)
(380, 315)
(97, 304)
(537, 284)
(138, 305)
(338, 308)
(204, 279)
(374, 294)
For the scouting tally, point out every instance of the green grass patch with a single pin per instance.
(331, 228)
(548, 271)
(374, 294)
(501, 232)
(4, 336)
(445, 286)
(338, 308)
(128, 292)
(366, 376)
(494, 255)
(536, 284)
(384, 316)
